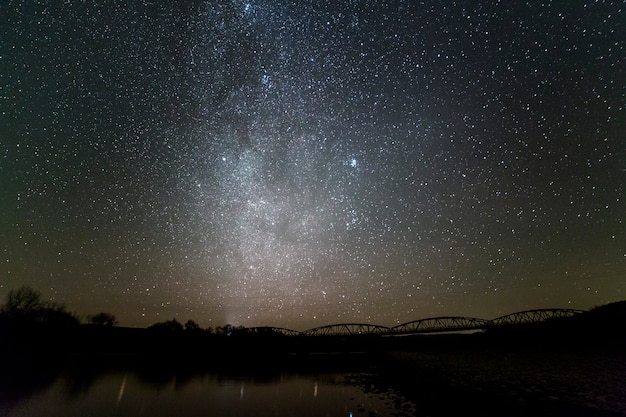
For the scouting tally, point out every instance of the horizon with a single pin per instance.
(558, 311)
(272, 163)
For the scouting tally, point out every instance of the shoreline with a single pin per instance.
(511, 382)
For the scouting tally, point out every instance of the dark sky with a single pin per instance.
(301, 163)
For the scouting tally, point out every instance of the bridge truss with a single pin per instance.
(441, 324)
(347, 329)
(534, 316)
(429, 325)
(271, 331)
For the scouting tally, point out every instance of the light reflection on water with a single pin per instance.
(207, 394)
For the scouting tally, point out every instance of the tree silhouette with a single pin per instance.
(103, 319)
(25, 308)
(22, 302)
(168, 326)
(192, 326)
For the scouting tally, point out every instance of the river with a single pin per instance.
(442, 382)
(78, 391)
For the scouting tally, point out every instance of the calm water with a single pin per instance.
(122, 393)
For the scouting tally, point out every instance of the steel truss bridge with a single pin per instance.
(423, 326)
(441, 324)
(271, 331)
(534, 316)
(347, 329)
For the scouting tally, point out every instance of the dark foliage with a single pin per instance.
(25, 308)
(103, 319)
(192, 326)
(170, 326)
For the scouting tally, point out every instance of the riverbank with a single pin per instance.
(483, 382)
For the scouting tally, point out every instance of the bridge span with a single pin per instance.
(435, 324)
(271, 331)
(440, 324)
(534, 316)
(347, 329)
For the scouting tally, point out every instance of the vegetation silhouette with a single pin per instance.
(28, 323)
(102, 319)
(192, 326)
(170, 326)
(24, 307)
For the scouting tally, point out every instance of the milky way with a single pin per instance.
(304, 163)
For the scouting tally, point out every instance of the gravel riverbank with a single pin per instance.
(508, 383)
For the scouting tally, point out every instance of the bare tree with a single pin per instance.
(23, 301)
(25, 305)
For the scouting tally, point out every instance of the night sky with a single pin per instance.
(302, 163)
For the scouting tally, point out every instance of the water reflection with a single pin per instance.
(140, 391)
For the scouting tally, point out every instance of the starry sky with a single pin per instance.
(302, 163)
